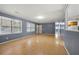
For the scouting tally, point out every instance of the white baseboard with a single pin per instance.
(66, 50)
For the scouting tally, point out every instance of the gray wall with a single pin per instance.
(71, 39)
(4, 38)
(48, 28)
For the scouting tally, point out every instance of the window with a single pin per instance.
(59, 25)
(10, 26)
(5, 25)
(16, 26)
(30, 27)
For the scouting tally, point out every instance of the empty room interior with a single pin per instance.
(39, 29)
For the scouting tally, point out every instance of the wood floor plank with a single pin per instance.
(34, 45)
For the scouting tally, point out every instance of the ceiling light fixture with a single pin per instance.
(40, 17)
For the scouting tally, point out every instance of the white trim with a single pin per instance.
(66, 50)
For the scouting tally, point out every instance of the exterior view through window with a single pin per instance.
(30, 27)
(10, 26)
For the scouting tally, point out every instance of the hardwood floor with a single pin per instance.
(34, 45)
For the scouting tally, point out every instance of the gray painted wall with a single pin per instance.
(3, 38)
(71, 39)
(48, 28)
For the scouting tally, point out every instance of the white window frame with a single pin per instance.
(30, 26)
(6, 33)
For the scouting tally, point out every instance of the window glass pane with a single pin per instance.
(6, 25)
(28, 24)
(30, 27)
(33, 25)
(6, 21)
(15, 30)
(16, 23)
(5, 30)
(10, 26)
(16, 26)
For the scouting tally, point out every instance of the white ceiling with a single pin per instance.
(72, 10)
(50, 12)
